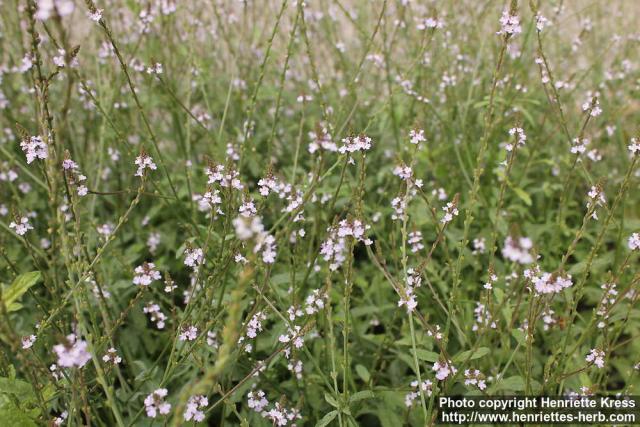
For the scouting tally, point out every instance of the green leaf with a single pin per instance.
(331, 400)
(361, 395)
(428, 356)
(471, 355)
(363, 373)
(327, 419)
(12, 416)
(18, 402)
(601, 263)
(390, 408)
(515, 383)
(519, 336)
(22, 390)
(20, 285)
(523, 195)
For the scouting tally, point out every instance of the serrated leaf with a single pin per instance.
(20, 285)
(18, 402)
(428, 356)
(22, 390)
(361, 395)
(327, 419)
(471, 355)
(331, 400)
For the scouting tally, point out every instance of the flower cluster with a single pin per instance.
(595, 198)
(155, 404)
(399, 205)
(7, 174)
(281, 416)
(74, 177)
(431, 23)
(314, 302)
(21, 225)
(60, 59)
(548, 283)
(252, 228)
(427, 389)
(443, 369)
(248, 208)
(415, 240)
(509, 24)
(520, 136)
(253, 328)
(592, 105)
(579, 146)
(517, 249)
(403, 171)
(482, 318)
(48, 8)
(334, 248)
(355, 143)
(479, 245)
(474, 377)
(608, 299)
(416, 136)
(257, 401)
(188, 333)
(95, 15)
(73, 352)
(34, 148)
(450, 210)
(436, 333)
(296, 367)
(407, 293)
(541, 22)
(216, 174)
(321, 139)
(293, 335)
(153, 241)
(208, 201)
(596, 357)
(194, 408)
(491, 281)
(271, 184)
(112, 357)
(548, 319)
(278, 415)
(143, 162)
(145, 274)
(193, 257)
(155, 314)
(28, 341)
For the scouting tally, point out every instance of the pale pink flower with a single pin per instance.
(155, 404)
(73, 352)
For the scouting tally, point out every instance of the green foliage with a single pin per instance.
(21, 284)
(19, 404)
